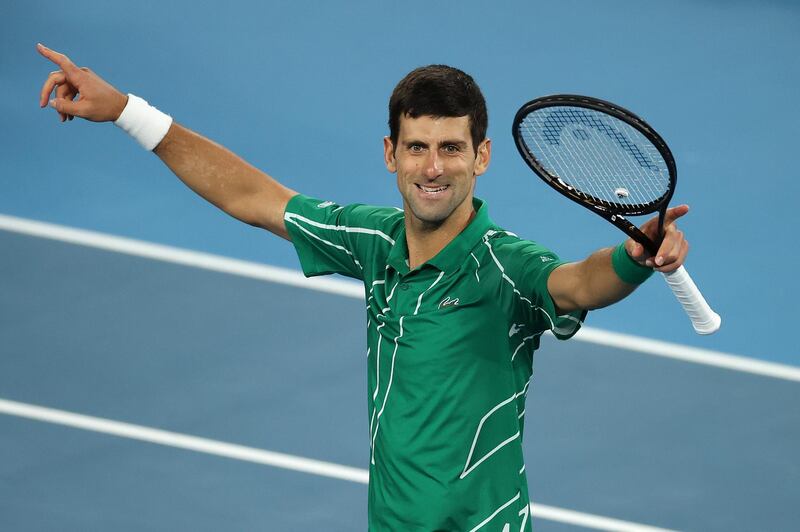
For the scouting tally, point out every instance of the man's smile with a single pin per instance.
(432, 190)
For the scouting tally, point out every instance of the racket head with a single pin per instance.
(596, 153)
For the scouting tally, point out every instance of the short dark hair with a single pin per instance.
(440, 91)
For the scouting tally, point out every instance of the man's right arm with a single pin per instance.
(214, 172)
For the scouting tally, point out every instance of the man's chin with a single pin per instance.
(429, 217)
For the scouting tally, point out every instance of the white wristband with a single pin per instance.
(146, 124)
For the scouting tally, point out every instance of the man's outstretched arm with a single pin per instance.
(214, 172)
(225, 179)
(594, 283)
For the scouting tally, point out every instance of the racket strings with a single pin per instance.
(602, 158)
(601, 170)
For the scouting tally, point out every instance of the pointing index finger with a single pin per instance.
(59, 59)
(674, 213)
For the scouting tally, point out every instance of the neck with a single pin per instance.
(425, 240)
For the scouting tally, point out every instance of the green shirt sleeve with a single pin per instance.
(533, 264)
(330, 238)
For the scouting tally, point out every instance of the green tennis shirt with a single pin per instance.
(449, 358)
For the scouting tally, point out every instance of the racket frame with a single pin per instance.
(616, 214)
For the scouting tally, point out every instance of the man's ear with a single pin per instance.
(388, 155)
(483, 156)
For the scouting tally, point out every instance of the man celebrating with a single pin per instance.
(456, 305)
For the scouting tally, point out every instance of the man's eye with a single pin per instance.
(451, 148)
(415, 148)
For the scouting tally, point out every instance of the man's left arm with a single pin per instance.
(595, 282)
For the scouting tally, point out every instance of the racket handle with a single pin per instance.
(704, 319)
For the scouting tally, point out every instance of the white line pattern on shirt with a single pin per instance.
(391, 292)
(389, 297)
(477, 268)
(291, 216)
(337, 246)
(419, 301)
(377, 379)
(524, 389)
(378, 361)
(372, 296)
(378, 354)
(388, 389)
(524, 514)
(523, 343)
(467, 468)
(555, 329)
(492, 516)
(480, 427)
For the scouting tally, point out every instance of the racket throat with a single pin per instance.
(635, 233)
(661, 215)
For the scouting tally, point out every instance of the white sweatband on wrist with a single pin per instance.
(146, 124)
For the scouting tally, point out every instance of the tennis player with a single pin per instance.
(456, 305)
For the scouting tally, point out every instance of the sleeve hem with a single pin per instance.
(563, 326)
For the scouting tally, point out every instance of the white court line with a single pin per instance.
(597, 522)
(270, 458)
(185, 257)
(688, 354)
(342, 287)
(183, 441)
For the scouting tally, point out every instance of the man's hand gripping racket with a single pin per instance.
(614, 164)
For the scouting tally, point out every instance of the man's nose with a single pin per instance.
(433, 166)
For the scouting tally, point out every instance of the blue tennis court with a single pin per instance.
(236, 359)
(161, 366)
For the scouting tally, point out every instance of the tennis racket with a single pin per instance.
(613, 163)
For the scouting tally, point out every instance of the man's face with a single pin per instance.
(436, 166)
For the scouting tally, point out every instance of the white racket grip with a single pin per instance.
(704, 319)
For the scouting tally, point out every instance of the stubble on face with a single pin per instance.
(436, 168)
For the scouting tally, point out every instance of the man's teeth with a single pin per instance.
(432, 190)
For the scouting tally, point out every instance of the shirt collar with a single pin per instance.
(452, 256)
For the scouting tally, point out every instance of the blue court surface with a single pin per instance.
(164, 367)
